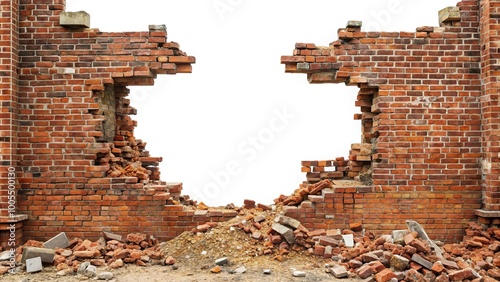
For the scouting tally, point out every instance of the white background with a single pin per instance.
(202, 124)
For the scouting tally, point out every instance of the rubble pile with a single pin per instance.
(301, 194)
(128, 158)
(262, 234)
(407, 255)
(111, 250)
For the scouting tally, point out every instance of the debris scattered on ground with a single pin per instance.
(259, 236)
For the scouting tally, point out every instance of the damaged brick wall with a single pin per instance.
(425, 123)
(79, 168)
(432, 127)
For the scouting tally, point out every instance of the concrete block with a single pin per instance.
(339, 271)
(111, 236)
(449, 14)
(284, 231)
(288, 221)
(423, 262)
(354, 24)
(58, 241)
(79, 19)
(34, 264)
(47, 255)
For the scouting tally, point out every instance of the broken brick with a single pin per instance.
(384, 275)
(461, 275)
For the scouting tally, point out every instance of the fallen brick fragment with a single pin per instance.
(364, 271)
(356, 226)
(384, 275)
(461, 275)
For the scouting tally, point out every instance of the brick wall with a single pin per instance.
(81, 170)
(424, 121)
(430, 126)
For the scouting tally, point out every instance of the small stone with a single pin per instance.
(66, 253)
(169, 261)
(105, 276)
(298, 273)
(175, 267)
(266, 271)
(90, 271)
(116, 264)
(82, 267)
(63, 272)
(257, 235)
(216, 269)
(221, 261)
(240, 270)
(5, 255)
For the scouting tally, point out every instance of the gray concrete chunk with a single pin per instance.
(79, 19)
(354, 24)
(288, 221)
(105, 276)
(34, 265)
(111, 236)
(221, 261)
(423, 262)
(339, 271)
(90, 271)
(47, 255)
(284, 231)
(82, 267)
(58, 241)
(398, 236)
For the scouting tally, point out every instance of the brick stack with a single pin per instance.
(360, 159)
(320, 170)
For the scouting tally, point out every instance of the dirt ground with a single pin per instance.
(194, 270)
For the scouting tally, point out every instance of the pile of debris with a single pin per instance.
(301, 194)
(407, 255)
(83, 256)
